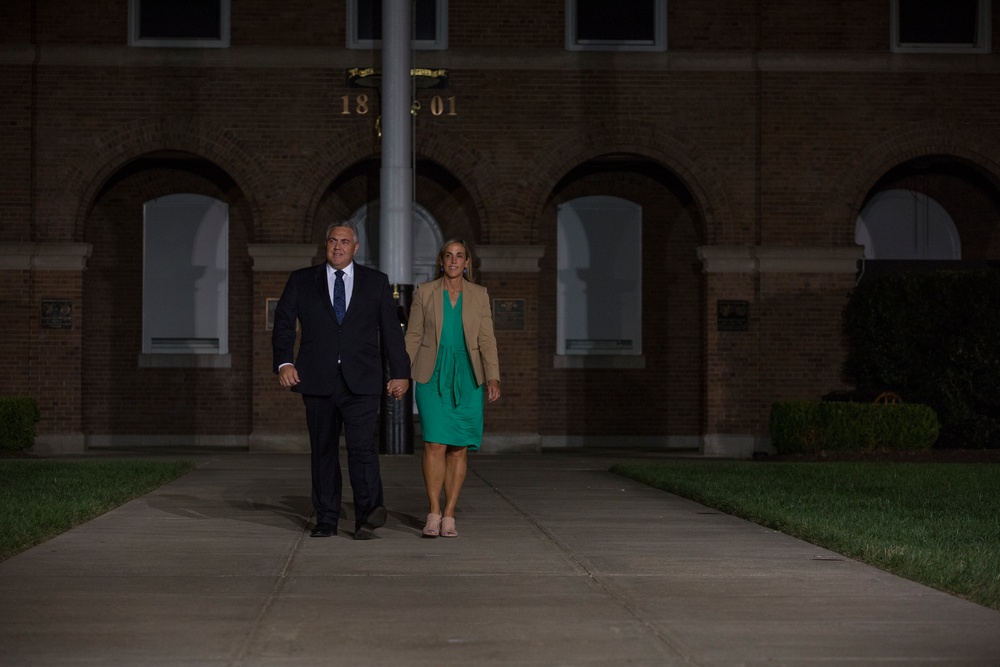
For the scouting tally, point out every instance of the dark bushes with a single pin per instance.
(933, 339)
(18, 415)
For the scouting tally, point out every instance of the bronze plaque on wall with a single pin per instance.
(57, 314)
(733, 315)
(508, 314)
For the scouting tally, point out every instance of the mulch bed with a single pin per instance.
(8, 454)
(929, 456)
(984, 456)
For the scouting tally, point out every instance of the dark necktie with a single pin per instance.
(339, 297)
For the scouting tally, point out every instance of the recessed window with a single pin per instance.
(179, 23)
(427, 240)
(599, 284)
(430, 24)
(935, 26)
(614, 25)
(903, 224)
(185, 276)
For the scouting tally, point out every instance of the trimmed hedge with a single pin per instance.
(807, 427)
(18, 415)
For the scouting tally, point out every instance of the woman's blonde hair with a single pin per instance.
(468, 253)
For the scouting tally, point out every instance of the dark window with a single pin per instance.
(370, 20)
(180, 19)
(938, 21)
(616, 21)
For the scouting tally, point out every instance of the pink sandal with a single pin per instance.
(448, 527)
(433, 526)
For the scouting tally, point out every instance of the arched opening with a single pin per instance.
(176, 391)
(443, 209)
(904, 224)
(931, 209)
(594, 398)
(427, 239)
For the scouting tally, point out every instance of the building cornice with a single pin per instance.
(780, 259)
(45, 256)
(509, 258)
(481, 59)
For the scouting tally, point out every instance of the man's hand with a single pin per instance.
(288, 376)
(396, 388)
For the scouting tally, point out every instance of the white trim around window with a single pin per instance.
(577, 42)
(201, 41)
(979, 33)
(439, 43)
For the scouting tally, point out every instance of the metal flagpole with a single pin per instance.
(396, 199)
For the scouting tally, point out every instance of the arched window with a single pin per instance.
(904, 224)
(599, 291)
(185, 282)
(427, 240)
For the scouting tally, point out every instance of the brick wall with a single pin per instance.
(122, 398)
(828, 138)
(15, 147)
(16, 332)
(802, 345)
(518, 408)
(54, 355)
(816, 25)
(664, 397)
(276, 410)
(720, 143)
(732, 359)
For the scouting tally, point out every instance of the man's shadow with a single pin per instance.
(292, 512)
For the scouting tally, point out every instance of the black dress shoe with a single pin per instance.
(375, 519)
(324, 530)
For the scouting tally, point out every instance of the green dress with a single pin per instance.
(451, 403)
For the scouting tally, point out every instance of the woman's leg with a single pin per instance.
(434, 474)
(454, 477)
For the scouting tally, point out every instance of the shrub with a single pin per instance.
(18, 415)
(794, 426)
(932, 339)
(805, 427)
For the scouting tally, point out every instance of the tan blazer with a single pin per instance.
(423, 331)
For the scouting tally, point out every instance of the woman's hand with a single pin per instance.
(396, 388)
(492, 390)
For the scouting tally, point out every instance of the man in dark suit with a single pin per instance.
(348, 317)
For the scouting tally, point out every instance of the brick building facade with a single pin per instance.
(752, 142)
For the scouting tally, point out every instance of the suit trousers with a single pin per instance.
(358, 416)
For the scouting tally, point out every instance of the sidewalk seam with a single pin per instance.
(279, 584)
(666, 640)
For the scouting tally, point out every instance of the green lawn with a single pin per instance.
(41, 498)
(935, 523)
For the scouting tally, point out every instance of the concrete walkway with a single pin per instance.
(558, 562)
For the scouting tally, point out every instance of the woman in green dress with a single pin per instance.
(453, 356)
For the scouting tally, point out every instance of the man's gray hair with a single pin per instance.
(345, 223)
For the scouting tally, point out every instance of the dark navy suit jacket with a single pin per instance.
(370, 324)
